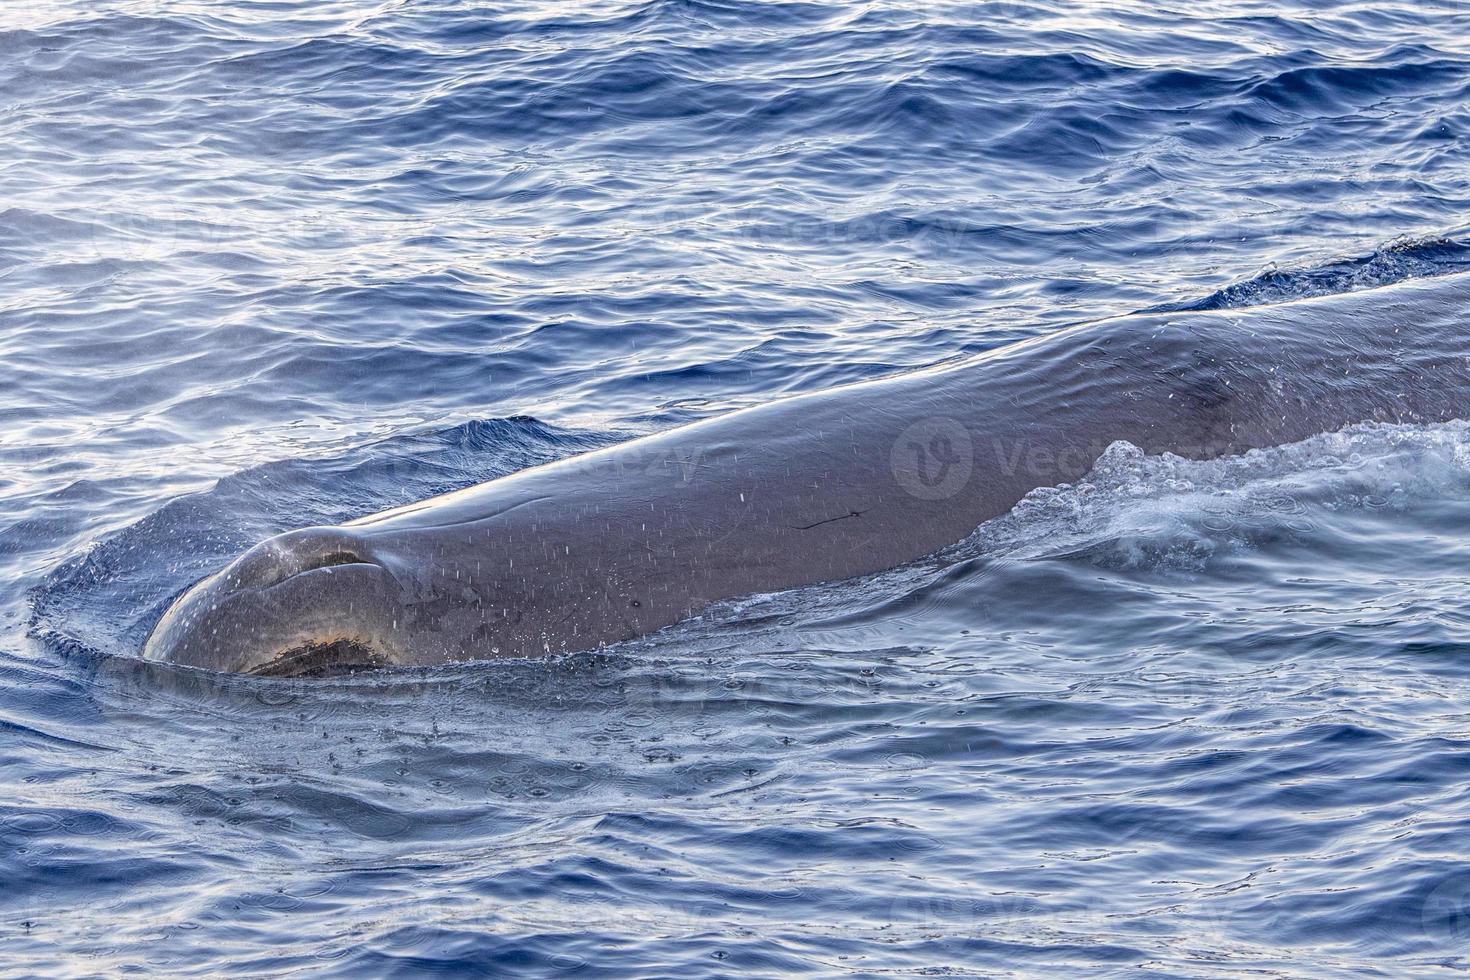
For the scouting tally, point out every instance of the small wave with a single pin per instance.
(1396, 261)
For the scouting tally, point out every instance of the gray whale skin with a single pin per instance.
(622, 542)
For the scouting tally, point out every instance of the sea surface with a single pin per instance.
(266, 264)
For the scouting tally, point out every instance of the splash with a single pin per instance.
(1134, 509)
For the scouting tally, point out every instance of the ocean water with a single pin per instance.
(266, 264)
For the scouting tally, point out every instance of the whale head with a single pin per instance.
(316, 601)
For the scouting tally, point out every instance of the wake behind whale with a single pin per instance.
(620, 542)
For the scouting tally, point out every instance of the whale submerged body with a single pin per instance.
(624, 541)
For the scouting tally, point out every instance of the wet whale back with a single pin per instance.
(622, 541)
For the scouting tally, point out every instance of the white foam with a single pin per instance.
(1158, 506)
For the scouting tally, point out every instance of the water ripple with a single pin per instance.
(269, 264)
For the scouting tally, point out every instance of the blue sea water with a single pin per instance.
(267, 263)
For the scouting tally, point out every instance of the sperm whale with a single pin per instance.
(621, 542)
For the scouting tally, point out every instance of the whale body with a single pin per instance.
(621, 542)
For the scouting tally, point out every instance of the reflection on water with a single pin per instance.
(268, 265)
